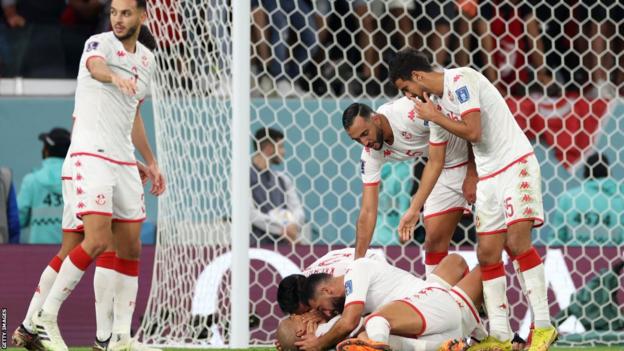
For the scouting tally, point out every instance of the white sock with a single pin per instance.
(126, 286)
(104, 292)
(537, 294)
(41, 293)
(429, 268)
(68, 277)
(378, 329)
(497, 306)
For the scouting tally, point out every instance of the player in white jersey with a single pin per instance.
(394, 133)
(509, 199)
(114, 75)
(384, 290)
(334, 263)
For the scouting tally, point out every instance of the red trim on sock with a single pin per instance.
(106, 260)
(80, 258)
(127, 267)
(56, 263)
(493, 271)
(432, 258)
(529, 259)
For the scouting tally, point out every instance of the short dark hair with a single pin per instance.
(354, 110)
(267, 135)
(406, 61)
(289, 293)
(311, 284)
(147, 38)
(596, 166)
(142, 4)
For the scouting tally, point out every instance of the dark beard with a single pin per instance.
(338, 303)
(130, 33)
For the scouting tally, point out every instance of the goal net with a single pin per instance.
(557, 65)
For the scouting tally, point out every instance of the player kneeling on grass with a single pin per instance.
(369, 286)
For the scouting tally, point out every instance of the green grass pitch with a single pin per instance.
(596, 348)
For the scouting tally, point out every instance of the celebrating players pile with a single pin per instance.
(102, 187)
(477, 154)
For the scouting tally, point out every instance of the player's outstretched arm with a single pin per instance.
(469, 127)
(366, 220)
(101, 72)
(139, 139)
(349, 320)
(429, 178)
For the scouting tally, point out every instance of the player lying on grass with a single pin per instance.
(368, 286)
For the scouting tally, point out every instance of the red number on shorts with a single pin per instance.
(509, 211)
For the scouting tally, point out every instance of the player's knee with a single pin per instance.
(488, 254)
(130, 251)
(435, 243)
(456, 260)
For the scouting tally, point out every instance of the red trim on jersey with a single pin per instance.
(80, 214)
(424, 327)
(493, 271)
(80, 258)
(124, 163)
(521, 158)
(529, 259)
(538, 222)
(106, 260)
(66, 178)
(476, 109)
(56, 263)
(354, 303)
(468, 303)
(372, 184)
(123, 220)
(94, 56)
(432, 258)
(438, 144)
(457, 165)
(78, 229)
(452, 209)
(127, 267)
(499, 231)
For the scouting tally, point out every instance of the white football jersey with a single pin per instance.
(502, 140)
(104, 115)
(412, 136)
(336, 262)
(374, 283)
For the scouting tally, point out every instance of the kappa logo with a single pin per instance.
(144, 61)
(462, 94)
(456, 78)
(413, 153)
(387, 153)
(100, 199)
(406, 135)
(121, 53)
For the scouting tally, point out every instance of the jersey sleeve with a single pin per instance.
(357, 281)
(371, 162)
(438, 135)
(96, 46)
(466, 91)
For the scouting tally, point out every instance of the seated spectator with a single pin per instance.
(277, 212)
(591, 214)
(9, 219)
(40, 198)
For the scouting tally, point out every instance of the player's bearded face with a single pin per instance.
(125, 18)
(410, 88)
(330, 305)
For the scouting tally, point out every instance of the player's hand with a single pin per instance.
(407, 225)
(127, 86)
(157, 179)
(309, 342)
(469, 188)
(292, 231)
(425, 110)
(278, 346)
(16, 21)
(143, 172)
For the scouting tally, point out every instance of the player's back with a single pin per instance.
(104, 115)
(336, 262)
(376, 283)
(502, 141)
